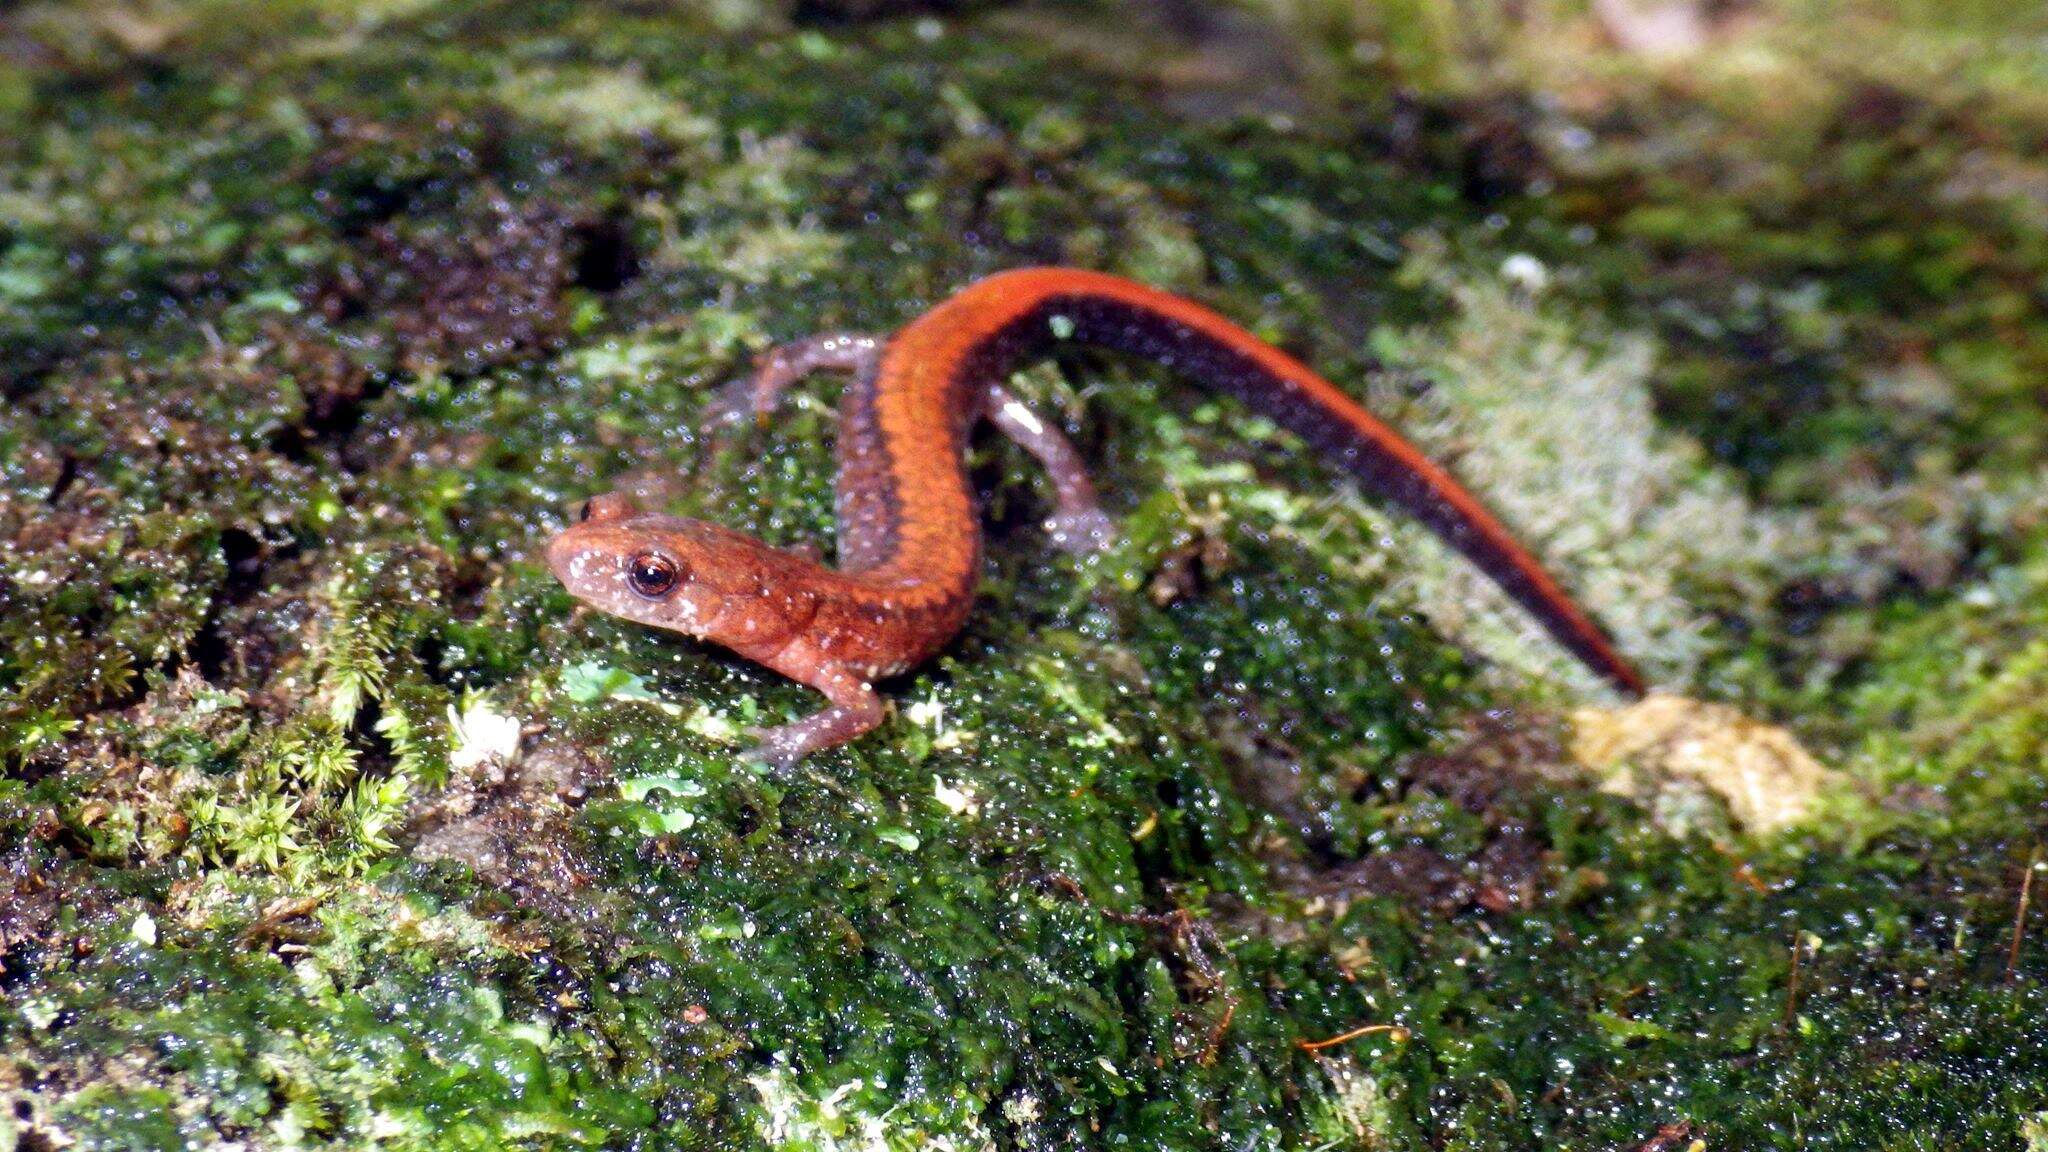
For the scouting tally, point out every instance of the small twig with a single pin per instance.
(1670, 1137)
(2019, 916)
(1744, 872)
(1215, 1044)
(273, 925)
(1181, 928)
(1400, 1036)
(1792, 983)
(1184, 934)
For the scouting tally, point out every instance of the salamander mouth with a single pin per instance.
(561, 555)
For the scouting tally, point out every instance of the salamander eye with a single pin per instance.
(653, 575)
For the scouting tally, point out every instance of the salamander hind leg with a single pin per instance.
(855, 709)
(785, 364)
(1078, 523)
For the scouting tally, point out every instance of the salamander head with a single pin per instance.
(687, 576)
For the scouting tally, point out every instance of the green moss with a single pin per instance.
(385, 1031)
(1953, 699)
(320, 319)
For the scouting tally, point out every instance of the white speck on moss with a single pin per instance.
(846, 1119)
(479, 734)
(927, 713)
(1525, 272)
(713, 726)
(959, 799)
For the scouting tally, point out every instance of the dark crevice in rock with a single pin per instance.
(24, 377)
(244, 556)
(247, 558)
(844, 13)
(419, 297)
(1482, 774)
(606, 259)
(67, 474)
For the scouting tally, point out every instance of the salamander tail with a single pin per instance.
(1191, 339)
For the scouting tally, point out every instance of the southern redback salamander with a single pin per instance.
(909, 535)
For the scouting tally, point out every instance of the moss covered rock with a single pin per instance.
(328, 819)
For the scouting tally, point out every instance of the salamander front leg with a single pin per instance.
(855, 710)
(1078, 523)
(785, 364)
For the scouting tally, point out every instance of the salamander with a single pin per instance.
(909, 542)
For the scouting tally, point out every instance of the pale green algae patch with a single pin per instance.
(328, 821)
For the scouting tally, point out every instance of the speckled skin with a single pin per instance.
(909, 533)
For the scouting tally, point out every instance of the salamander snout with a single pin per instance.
(577, 560)
(660, 570)
(561, 554)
